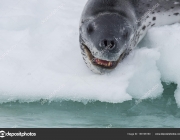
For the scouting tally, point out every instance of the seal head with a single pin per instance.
(104, 41)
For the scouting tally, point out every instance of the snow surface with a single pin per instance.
(40, 57)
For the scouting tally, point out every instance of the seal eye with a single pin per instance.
(125, 35)
(90, 28)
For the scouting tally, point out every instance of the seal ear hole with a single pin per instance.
(90, 28)
(126, 35)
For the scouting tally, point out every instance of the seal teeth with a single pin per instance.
(103, 63)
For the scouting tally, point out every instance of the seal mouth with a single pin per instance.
(102, 63)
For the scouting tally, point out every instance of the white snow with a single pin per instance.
(40, 57)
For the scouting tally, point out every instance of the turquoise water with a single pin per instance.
(162, 112)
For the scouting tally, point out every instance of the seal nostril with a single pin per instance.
(112, 45)
(112, 42)
(105, 42)
(108, 44)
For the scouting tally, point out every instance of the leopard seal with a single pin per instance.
(110, 29)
